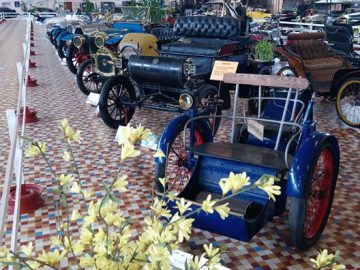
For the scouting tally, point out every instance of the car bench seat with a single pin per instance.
(202, 37)
(316, 58)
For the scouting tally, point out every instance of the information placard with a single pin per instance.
(220, 68)
(256, 129)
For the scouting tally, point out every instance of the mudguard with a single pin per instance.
(303, 159)
(176, 124)
(65, 36)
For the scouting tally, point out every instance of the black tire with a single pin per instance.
(207, 93)
(73, 58)
(87, 80)
(306, 219)
(61, 50)
(116, 90)
(175, 171)
(348, 102)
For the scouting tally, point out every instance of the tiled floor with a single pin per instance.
(57, 97)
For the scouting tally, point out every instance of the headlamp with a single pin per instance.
(186, 101)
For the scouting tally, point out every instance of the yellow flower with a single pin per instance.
(163, 182)
(66, 179)
(159, 154)
(66, 156)
(269, 187)
(75, 215)
(76, 137)
(213, 255)
(116, 220)
(120, 184)
(35, 149)
(223, 210)
(225, 186)
(325, 259)
(75, 188)
(87, 193)
(78, 248)
(207, 205)
(34, 264)
(183, 206)
(87, 261)
(5, 255)
(69, 133)
(128, 151)
(64, 123)
(86, 236)
(183, 228)
(55, 242)
(237, 181)
(27, 250)
(129, 135)
(52, 258)
(159, 208)
(159, 255)
(99, 236)
(194, 263)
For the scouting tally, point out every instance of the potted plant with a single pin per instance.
(263, 51)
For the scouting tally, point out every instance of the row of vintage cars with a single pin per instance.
(168, 68)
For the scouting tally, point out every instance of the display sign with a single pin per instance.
(220, 68)
(256, 129)
(93, 99)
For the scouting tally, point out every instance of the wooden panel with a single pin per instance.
(266, 80)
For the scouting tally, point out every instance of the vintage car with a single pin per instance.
(279, 145)
(87, 78)
(185, 63)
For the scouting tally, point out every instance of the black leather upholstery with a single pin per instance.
(163, 33)
(207, 27)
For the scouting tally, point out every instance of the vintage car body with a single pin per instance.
(185, 63)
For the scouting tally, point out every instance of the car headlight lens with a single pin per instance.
(99, 42)
(186, 101)
(78, 41)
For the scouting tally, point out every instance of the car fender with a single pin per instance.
(176, 124)
(299, 171)
(66, 37)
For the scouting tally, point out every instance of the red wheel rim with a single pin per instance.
(178, 173)
(319, 194)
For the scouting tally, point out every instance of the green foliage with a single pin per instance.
(264, 50)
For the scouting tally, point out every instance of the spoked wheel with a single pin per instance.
(308, 215)
(88, 80)
(74, 57)
(209, 106)
(116, 91)
(177, 170)
(348, 102)
(61, 50)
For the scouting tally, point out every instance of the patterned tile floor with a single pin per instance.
(57, 96)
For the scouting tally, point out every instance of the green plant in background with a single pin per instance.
(88, 7)
(156, 12)
(264, 50)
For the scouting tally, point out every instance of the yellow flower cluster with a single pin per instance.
(325, 260)
(69, 133)
(35, 149)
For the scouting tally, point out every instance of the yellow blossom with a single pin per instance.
(159, 154)
(86, 236)
(116, 220)
(66, 179)
(267, 185)
(163, 182)
(66, 156)
(5, 255)
(55, 241)
(27, 250)
(129, 135)
(207, 205)
(78, 248)
(87, 261)
(128, 151)
(194, 263)
(35, 149)
(223, 210)
(87, 193)
(325, 259)
(75, 188)
(69, 133)
(235, 181)
(182, 226)
(213, 255)
(33, 264)
(120, 184)
(75, 215)
(183, 206)
(159, 208)
(159, 255)
(52, 257)
(99, 236)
